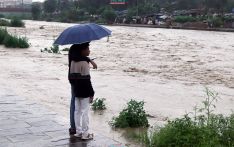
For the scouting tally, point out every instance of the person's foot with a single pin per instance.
(87, 137)
(72, 131)
(78, 135)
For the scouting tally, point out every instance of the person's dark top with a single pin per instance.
(82, 84)
(74, 55)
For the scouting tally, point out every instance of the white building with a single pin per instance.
(14, 3)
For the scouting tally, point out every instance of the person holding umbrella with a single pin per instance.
(79, 73)
(80, 78)
(74, 55)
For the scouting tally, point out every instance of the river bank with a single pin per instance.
(175, 27)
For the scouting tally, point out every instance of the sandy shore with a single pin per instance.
(166, 68)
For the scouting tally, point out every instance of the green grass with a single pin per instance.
(3, 34)
(53, 49)
(66, 49)
(4, 22)
(99, 104)
(23, 42)
(202, 128)
(13, 22)
(12, 41)
(15, 42)
(132, 116)
(16, 22)
(184, 19)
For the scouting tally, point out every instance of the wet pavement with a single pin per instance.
(24, 123)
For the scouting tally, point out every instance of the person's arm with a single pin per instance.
(94, 64)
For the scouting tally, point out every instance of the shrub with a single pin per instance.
(99, 104)
(15, 42)
(10, 41)
(2, 15)
(53, 49)
(4, 22)
(66, 49)
(132, 116)
(202, 129)
(217, 21)
(3, 34)
(16, 22)
(184, 19)
(36, 11)
(23, 42)
(109, 15)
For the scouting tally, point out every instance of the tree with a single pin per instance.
(36, 11)
(218, 5)
(93, 5)
(109, 15)
(50, 6)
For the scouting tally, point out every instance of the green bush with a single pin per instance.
(203, 129)
(4, 22)
(2, 15)
(10, 41)
(132, 116)
(3, 34)
(53, 49)
(23, 42)
(15, 42)
(184, 19)
(66, 49)
(217, 21)
(99, 104)
(16, 22)
(109, 15)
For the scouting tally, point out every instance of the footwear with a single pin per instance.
(72, 131)
(78, 135)
(87, 137)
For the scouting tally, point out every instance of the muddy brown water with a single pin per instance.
(166, 68)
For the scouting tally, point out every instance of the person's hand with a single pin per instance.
(94, 65)
(91, 99)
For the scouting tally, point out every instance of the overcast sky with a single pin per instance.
(38, 0)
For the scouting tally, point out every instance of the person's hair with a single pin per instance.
(78, 48)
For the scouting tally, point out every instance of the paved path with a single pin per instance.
(24, 123)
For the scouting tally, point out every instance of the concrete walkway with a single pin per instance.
(24, 123)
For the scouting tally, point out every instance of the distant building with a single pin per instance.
(15, 7)
(15, 3)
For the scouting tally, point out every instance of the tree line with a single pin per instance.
(65, 10)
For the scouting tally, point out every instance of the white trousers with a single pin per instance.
(82, 115)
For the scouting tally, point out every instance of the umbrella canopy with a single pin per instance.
(82, 33)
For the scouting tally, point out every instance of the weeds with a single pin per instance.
(53, 49)
(99, 104)
(23, 42)
(15, 42)
(4, 22)
(66, 49)
(16, 22)
(132, 116)
(203, 128)
(3, 34)
(12, 41)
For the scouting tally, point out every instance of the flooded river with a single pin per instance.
(166, 68)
